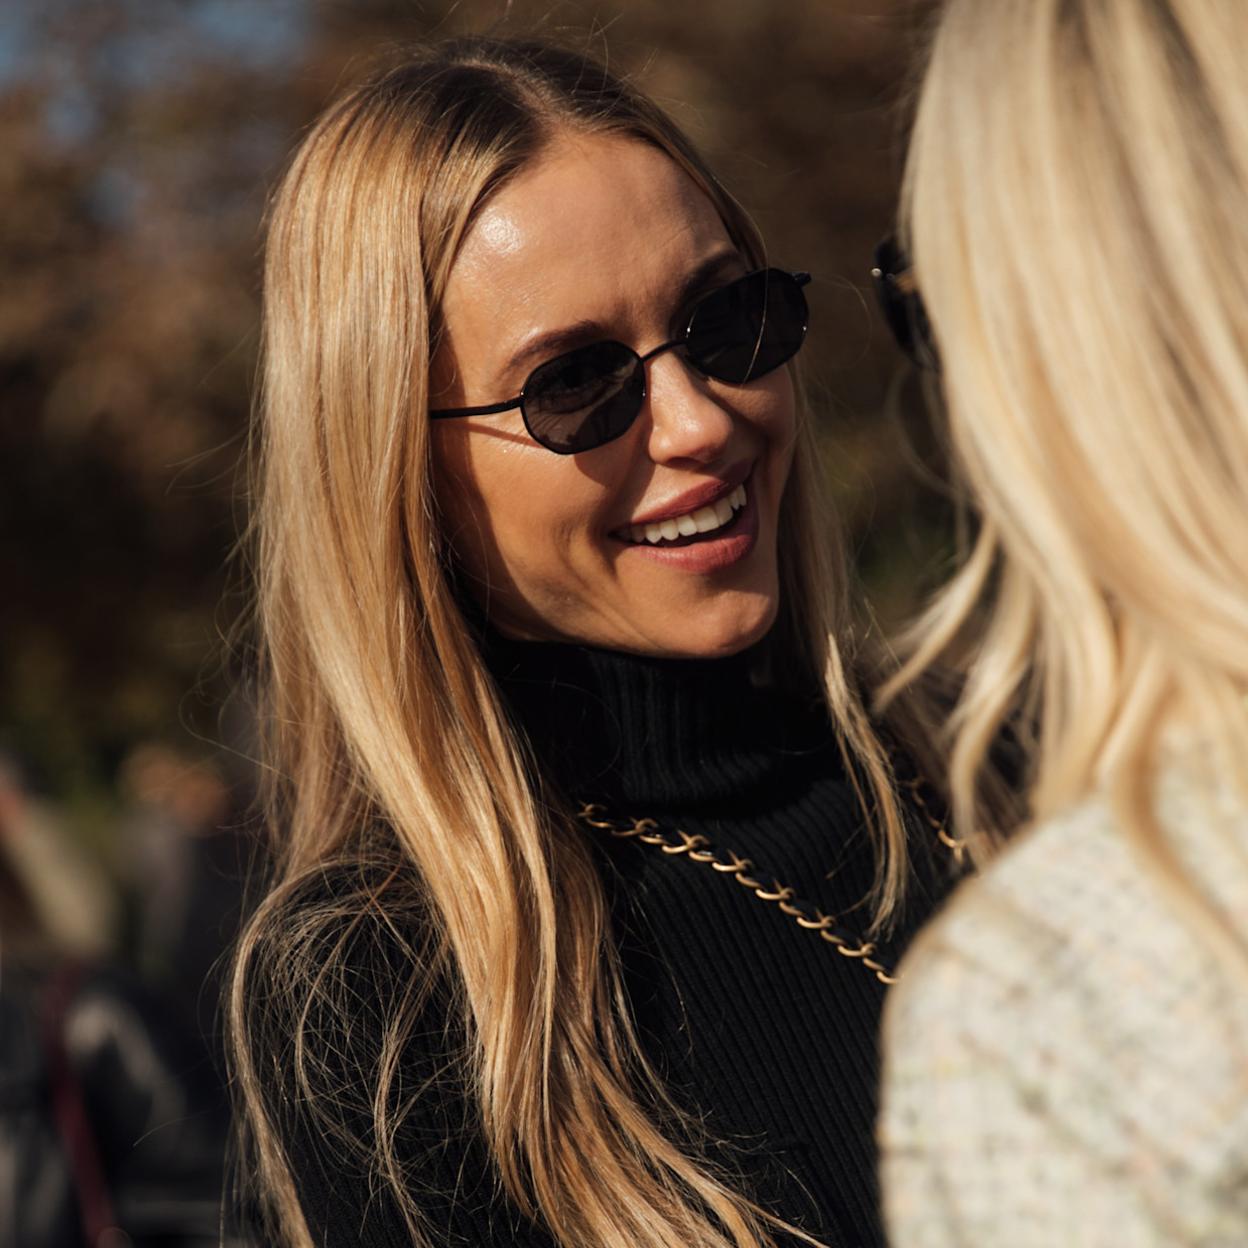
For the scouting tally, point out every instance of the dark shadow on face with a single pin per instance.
(477, 567)
(490, 431)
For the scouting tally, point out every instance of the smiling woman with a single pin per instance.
(540, 272)
(569, 776)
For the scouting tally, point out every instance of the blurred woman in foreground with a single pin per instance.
(1068, 1055)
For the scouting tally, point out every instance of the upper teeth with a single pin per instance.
(714, 516)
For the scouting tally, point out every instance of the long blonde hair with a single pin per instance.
(390, 759)
(1076, 209)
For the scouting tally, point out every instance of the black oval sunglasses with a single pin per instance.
(592, 395)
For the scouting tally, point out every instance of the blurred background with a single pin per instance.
(138, 140)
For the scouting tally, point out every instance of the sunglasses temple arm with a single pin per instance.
(490, 409)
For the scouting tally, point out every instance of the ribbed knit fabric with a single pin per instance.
(757, 1025)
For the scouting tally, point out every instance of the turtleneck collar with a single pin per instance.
(655, 734)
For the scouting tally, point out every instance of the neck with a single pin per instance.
(662, 733)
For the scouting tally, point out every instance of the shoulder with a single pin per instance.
(336, 972)
(1062, 995)
(357, 912)
(1074, 913)
(361, 1056)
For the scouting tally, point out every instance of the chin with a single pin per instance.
(726, 632)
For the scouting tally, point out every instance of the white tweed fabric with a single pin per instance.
(1066, 1061)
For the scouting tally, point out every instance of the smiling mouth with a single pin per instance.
(712, 521)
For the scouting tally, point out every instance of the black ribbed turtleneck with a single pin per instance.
(672, 733)
(758, 1026)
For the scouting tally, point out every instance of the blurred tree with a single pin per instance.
(137, 141)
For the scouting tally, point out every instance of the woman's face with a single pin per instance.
(606, 238)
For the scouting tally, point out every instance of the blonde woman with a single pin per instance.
(569, 781)
(1067, 1057)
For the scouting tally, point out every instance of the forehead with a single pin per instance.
(596, 227)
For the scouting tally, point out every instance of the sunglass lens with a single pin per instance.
(749, 327)
(585, 398)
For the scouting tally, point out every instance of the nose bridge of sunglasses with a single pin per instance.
(684, 360)
(663, 347)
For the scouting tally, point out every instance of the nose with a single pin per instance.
(687, 422)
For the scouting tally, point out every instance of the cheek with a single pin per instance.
(769, 407)
(782, 417)
(516, 516)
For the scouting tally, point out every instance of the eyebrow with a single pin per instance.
(579, 333)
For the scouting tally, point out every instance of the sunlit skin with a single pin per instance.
(600, 235)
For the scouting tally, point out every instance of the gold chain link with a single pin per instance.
(697, 848)
(943, 834)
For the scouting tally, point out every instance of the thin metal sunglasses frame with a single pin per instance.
(902, 304)
(492, 409)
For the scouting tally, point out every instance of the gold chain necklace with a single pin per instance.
(956, 845)
(697, 848)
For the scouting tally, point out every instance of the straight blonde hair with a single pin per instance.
(390, 759)
(1076, 208)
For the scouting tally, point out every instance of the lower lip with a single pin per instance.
(711, 554)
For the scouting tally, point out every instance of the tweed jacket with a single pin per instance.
(1066, 1058)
